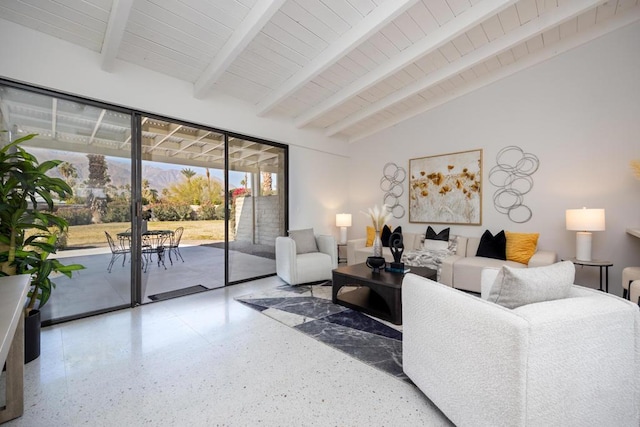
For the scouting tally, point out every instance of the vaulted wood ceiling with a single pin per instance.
(349, 67)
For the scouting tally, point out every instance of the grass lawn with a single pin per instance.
(93, 234)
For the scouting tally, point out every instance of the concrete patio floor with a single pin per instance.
(94, 288)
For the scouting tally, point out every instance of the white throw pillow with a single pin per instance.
(305, 240)
(435, 245)
(515, 287)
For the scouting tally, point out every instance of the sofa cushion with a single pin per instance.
(305, 240)
(467, 271)
(493, 246)
(516, 287)
(435, 245)
(432, 235)
(371, 235)
(521, 246)
(386, 234)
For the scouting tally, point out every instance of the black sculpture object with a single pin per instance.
(397, 248)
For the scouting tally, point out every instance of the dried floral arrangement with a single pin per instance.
(635, 166)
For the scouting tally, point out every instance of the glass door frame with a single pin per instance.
(136, 182)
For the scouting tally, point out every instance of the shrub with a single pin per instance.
(172, 212)
(209, 211)
(75, 215)
(117, 212)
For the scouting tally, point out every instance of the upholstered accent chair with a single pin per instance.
(630, 275)
(299, 261)
(569, 361)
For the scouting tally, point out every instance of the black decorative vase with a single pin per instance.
(32, 336)
(375, 263)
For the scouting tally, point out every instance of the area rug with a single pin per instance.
(309, 309)
(178, 293)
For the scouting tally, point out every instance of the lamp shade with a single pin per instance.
(585, 219)
(343, 220)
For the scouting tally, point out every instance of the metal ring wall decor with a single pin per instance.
(391, 183)
(512, 175)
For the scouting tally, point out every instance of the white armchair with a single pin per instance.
(296, 268)
(568, 362)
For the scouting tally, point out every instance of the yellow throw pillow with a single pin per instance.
(371, 234)
(521, 246)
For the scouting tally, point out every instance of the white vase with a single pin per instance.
(377, 245)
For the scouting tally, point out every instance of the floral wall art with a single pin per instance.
(446, 188)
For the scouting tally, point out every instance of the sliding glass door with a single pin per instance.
(257, 201)
(94, 145)
(183, 199)
(160, 208)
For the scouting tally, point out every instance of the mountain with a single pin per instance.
(118, 169)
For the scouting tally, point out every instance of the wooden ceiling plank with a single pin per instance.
(492, 28)
(463, 44)
(430, 43)
(409, 27)
(519, 35)
(115, 32)
(440, 11)
(509, 19)
(395, 36)
(345, 10)
(235, 45)
(527, 10)
(423, 17)
(372, 23)
(458, 6)
(529, 61)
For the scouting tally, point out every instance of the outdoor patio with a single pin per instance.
(95, 288)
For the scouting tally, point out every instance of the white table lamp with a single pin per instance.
(343, 220)
(584, 221)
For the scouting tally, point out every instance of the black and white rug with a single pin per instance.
(309, 309)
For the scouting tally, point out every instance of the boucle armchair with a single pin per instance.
(296, 268)
(567, 362)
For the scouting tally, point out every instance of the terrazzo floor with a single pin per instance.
(207, 360)
(309, 309)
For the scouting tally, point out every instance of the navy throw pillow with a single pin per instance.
(493, 246)
(431, 234)
(386, 234)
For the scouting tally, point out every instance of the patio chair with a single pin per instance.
(117, 249)
(153, 242)
(174, 244)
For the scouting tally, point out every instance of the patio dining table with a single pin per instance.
(153, 242)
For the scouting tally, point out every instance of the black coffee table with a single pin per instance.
(379, 294)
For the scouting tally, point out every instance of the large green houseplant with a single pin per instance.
(29, 228)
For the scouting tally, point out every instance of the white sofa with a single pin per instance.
(462, 270)
(296, 268)
(568, 362)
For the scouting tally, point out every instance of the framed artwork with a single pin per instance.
(446, 189)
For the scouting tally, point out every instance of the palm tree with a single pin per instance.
(188, 173)
(69, 172)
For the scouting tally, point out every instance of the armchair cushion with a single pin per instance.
(305, 240)
(520, 286)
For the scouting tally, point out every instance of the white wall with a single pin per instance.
(579, 113)
(318, 189)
